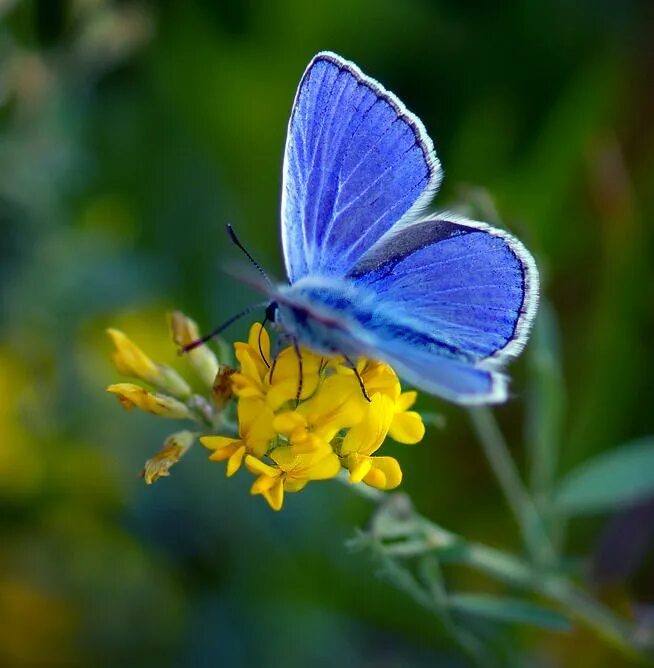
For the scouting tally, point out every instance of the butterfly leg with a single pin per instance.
(296, 347)
(358, 375)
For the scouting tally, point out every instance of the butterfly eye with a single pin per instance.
(271, 312)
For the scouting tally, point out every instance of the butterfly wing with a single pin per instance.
(356, 162)
(474, 287)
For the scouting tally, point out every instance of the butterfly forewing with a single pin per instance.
(356, 162)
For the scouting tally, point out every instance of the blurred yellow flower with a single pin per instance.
(135, 396)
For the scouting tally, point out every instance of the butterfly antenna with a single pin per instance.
(199, 342)
(237, 242)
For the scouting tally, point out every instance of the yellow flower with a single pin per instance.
(130, 360)
(406, 426)
(380, 472)
(135, 396)
(202, 359)
(316, 422)
(174, 448)
(299, 416)
(291, 473)
(255, 433)
(366, 438)
(256, 365)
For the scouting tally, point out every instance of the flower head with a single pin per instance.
(298, 417)
(302, 417)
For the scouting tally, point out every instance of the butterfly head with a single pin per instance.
(271, 312)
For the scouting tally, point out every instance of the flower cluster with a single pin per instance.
(299, 417)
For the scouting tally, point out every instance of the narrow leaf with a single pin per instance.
(505, 609)
(613, 479)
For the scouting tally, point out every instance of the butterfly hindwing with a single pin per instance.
(473, 286)
(356, 162)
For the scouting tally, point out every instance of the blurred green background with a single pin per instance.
(129, 134)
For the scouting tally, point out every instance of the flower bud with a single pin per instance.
(184, 331)
(130, 360)
(135, 396)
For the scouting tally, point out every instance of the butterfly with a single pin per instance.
(446, 301)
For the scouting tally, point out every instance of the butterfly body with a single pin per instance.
(445, 300)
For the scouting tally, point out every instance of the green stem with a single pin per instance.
(534, 533)
(395, 519)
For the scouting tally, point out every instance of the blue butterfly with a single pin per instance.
(444, 300)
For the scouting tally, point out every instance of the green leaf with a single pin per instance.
(614, 478)
(504, 609)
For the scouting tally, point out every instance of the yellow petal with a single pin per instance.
(292, 485)
(130, 360)
(338, 404)
(250, 363)
(257, 467)
(224, 453)
(262, 484)
(288, 421)
(286, 376)
(384, 474)
(367, 436)
(310, 444)
(380, 377)
(255, 425)
(285, 457)
(254, 339)
(235, 461)
(407, 427)
(405, 401)
(217, 442)
(321, 469)
(359, 467)
(275, 495)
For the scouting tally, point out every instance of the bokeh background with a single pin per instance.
(130, 132)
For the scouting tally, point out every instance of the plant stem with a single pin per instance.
(534, 533)
(422, 536)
